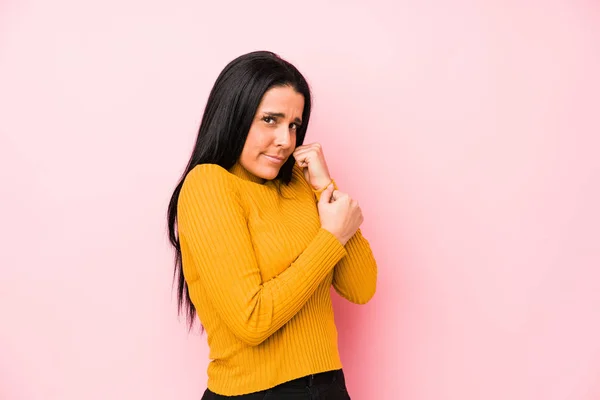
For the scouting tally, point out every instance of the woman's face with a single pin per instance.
(272, 136)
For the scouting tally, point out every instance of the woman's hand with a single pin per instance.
(312, 161)
(340, 214)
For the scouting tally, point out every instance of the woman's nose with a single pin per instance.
(282, 137)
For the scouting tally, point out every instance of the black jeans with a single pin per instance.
(324, 386)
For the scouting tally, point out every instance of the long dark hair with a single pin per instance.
(227, 117)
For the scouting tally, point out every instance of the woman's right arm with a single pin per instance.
(213, 230)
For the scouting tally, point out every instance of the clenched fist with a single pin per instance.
(312, 161)
(340, 214)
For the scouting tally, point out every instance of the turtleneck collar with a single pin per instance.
(244, 174)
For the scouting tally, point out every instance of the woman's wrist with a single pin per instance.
(335, 234)
(319, 187)
(318, 192)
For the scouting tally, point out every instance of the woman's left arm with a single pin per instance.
(355, 275)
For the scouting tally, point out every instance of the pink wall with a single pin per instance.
(469, 131)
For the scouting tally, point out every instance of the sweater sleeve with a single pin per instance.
(355, 275)
(319, 192)
(212, 227)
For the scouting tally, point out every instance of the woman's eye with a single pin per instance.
(294, 127)
(268, 120)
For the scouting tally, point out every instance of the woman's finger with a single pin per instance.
(304, 153)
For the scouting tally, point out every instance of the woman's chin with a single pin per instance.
(268, 172)
(269, 175)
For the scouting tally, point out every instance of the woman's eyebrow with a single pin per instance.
(282, 115)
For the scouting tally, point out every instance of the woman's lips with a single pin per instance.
(275, 159)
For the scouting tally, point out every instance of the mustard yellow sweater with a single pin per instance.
(259, 268)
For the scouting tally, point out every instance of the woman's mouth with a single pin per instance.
(274, 159)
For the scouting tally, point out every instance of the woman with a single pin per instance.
(261, 233)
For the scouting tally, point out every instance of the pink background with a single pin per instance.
(469, 131)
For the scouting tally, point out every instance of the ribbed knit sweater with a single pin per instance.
(259, 268)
